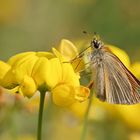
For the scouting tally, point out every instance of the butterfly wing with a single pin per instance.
(100, 82)
(115, 83)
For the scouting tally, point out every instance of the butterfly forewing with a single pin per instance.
(114, 82)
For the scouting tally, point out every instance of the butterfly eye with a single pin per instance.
(96, 43)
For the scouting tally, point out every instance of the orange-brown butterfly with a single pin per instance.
(114, 83)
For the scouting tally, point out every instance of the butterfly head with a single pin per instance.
(96, 42)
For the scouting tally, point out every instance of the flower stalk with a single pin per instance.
(40, 115)
(85, 124)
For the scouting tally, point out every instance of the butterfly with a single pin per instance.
(114, 83)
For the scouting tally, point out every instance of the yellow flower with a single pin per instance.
(70, 53)
(79, 109)
(130, 115)
(134, 136)
(68, 49)
(25, 73)
(3, 69)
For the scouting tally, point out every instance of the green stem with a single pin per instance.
(85, 125)
(41, 106)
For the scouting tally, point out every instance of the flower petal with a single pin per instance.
(79, 108)
(40, 69)
(24, 67)
(14, 59)
(68, 49)
(58, 55)
(69, 76)
(81, 93)
(47, 71)
(63, 95)
(45, 54)
(9, 80)
(4, 68)
(28, 86)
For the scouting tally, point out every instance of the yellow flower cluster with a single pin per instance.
(25, 73)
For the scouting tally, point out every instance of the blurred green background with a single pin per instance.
(32, 25)
(27, 25)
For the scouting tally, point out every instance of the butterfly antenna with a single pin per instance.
(84, 32)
